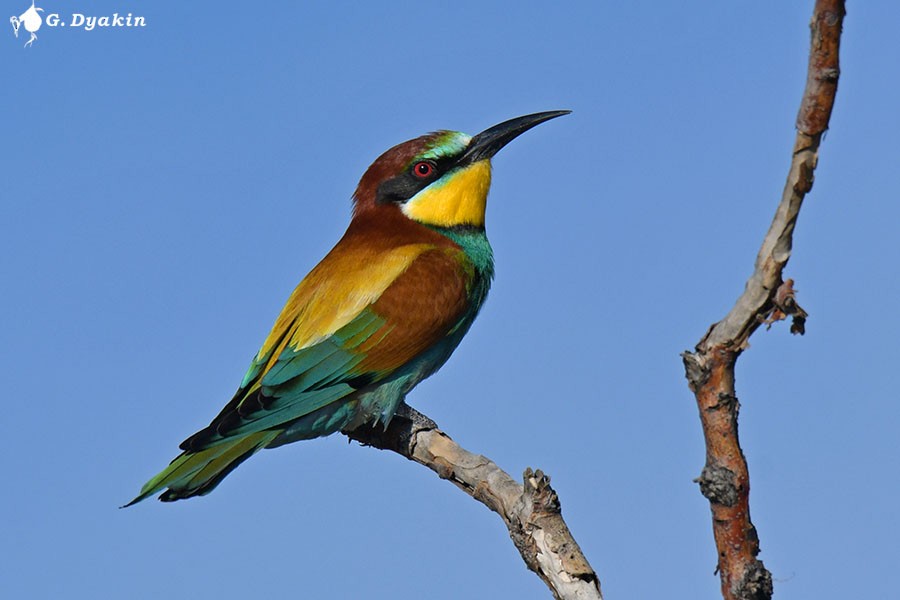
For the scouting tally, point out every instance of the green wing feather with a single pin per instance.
(298, 384)
(315, 382)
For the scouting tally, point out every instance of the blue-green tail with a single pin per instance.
(198, 473)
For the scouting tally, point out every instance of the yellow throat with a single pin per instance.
(458, 198)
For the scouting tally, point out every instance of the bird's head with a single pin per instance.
(440, 179)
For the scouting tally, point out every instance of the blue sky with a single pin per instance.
(164, 189)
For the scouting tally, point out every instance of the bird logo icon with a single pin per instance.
(31, 20)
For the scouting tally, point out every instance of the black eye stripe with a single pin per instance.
(409, 183)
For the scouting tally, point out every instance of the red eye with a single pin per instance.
(423, 169)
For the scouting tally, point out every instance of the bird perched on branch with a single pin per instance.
(381, 312)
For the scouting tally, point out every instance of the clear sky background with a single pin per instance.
(164, 189)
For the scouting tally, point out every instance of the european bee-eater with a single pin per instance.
(381, 312)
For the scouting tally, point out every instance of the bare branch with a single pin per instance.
(767, 298)
(531, 511)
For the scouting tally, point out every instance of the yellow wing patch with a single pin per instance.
(335, 292)
(461, 200)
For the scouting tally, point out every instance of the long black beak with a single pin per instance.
(487, 143)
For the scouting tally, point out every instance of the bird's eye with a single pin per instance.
(423, 169)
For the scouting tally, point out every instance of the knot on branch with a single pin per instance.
(727, 402)
(806, 177)
(785, 304)
(537, 489)
(829, 75)
(717, 484)
(695, 369)
(755, 584)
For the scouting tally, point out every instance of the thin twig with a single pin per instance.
(767, 297)
(531, 510)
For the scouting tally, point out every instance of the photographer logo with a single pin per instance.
(31, 21)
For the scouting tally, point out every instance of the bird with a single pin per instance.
(32, 21)
(383, 310)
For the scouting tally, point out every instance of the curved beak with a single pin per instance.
(487, 143)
